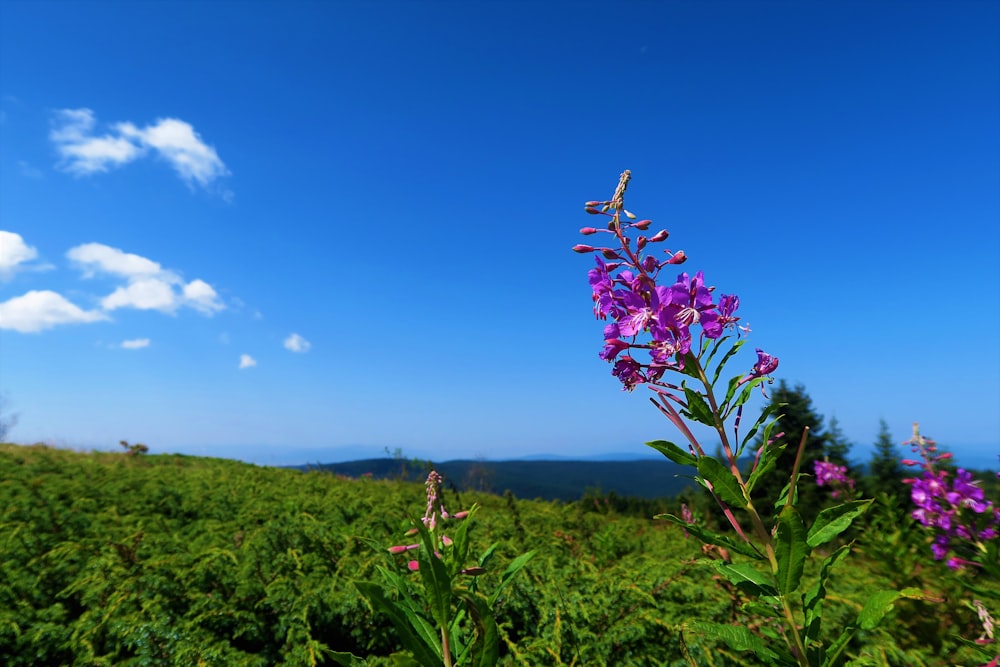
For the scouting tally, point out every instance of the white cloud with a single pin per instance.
(199, 295)
(246, 361)
(170, 138)
(182, 147)
(135, 344)
(39, 310)
(97, 257)
(144, 294)
(82, 152)
(13, 253)
(150, 286)
(297, 343)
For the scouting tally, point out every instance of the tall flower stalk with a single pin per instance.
(672, 336)
(442, 619)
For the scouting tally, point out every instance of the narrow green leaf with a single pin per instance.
(765, 464)
(674, 453)
(415, 633)
(485, 649)
(737, 638)
(347, 659)
(747, 578)
(835, 520)
(765, 414)
(708, 537)
(723, 481)
(725, 359)
(434, 574)
(515, 566)
(876, 608)
(691, 365)
(812, 600)
(697, 408)
(790, 549)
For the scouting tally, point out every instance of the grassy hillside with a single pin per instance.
(110, 559)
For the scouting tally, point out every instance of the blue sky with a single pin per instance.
(290, 232)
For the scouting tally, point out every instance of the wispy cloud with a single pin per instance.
(81, 151)
(246, 361)
(14, 254)
(135, 344)
(44, 309)
(296, 343)
(150, 286)
(84, 152)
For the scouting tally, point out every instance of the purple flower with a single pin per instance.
(629, 372)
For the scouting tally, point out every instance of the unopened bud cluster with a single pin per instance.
(434, 513)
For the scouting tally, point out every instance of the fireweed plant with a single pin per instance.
(442, 618)
(965, 528)
(668, 333)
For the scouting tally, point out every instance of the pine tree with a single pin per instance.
(797, 413)
(838, 447)
(885, 472)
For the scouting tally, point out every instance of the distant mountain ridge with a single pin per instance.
(565, 480)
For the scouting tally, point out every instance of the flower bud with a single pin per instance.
(629, 214)
(411, 531)
(581, 248)
(591, 210)
(413, 566)
(447, 541)
(642, 224)
(587, 231)
(659, 236)
(403, 548)
(593, 203)
(460, 515)
(473, 571)
(640, 243)
(609, 253)
(678, 258)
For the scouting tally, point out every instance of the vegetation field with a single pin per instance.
(118, 559)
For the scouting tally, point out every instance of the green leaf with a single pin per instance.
(723, 481)
(765, 464)
(878, 605)
(508, 575)
(725, 359)
(347, 659)
(790, 549)
(437, 584)
(415, 633)
(812, 600)
(691, 365)
(485, 649)
(737, 638)
(835, 520)
(708, 537)
(674, 453)
(697, 408)
(768, 410)
(747, 578)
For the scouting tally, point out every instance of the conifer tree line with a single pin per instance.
(882, 474)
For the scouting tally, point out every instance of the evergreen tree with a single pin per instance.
(838, 447)
(885, 472)
(797, 413)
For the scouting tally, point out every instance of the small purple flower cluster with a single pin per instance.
(626, 290)
(834, 476)
(956, 509)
